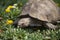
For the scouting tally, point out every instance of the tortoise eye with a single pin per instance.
(22, 24)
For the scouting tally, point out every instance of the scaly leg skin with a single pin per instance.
(51, 26)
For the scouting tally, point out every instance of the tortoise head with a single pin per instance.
(23, 22)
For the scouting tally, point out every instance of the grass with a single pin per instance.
(9, 32)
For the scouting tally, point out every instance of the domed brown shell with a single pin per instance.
(45, 10)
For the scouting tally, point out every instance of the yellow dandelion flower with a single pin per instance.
(7, 10)
(9, 22)
(9, 7)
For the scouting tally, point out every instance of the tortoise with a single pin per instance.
(38, 13)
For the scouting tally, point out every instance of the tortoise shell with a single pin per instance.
(45, 10)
